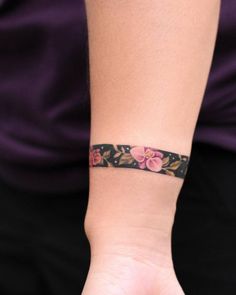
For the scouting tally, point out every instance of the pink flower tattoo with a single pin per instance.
(147, 158)
(94, 157)
(138, 157)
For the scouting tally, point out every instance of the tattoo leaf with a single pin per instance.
(117, 154)
(123, 150)
(165, 161)
(168, 172)
(116, 148)
(175, 165)
(109, 164)
(106, 154)
(126, 159)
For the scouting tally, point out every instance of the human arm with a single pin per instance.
(149, 63)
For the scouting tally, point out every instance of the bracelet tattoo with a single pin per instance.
(138, 157)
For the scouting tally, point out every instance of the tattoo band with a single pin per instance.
(138, 157)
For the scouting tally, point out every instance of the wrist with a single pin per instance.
(136, 259)
(113, 274)
(147, 240)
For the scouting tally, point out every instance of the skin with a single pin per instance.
(149, 64)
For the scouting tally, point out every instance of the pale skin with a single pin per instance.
(149, 64)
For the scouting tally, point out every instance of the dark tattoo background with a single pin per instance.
(138, 157)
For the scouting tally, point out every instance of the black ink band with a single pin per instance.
(138, 157)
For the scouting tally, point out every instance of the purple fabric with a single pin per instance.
(217, 119)
(44, 97)
(45, 101)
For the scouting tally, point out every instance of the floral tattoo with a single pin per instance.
(138, 157)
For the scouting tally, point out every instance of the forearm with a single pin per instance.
(149, 62)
